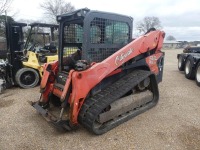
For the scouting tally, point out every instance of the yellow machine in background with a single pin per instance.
(40, 48)
(24, 63)
(33, 61)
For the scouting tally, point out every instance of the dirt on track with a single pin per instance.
(173, 124)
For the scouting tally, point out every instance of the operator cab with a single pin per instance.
(95, 34)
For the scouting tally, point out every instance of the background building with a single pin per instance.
(171, 44)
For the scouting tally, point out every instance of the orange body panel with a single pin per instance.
(66, 88)
(57, 92)
(46, 85)
(152, 62)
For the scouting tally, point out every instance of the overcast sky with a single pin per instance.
(179, 18)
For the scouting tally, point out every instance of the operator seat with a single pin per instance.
(69, 62)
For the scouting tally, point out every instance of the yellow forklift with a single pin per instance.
(40, 48)
(24, 63)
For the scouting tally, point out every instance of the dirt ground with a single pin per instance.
(173, 124)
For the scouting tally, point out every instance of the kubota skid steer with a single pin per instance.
(109, 80)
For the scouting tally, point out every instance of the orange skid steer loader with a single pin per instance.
(113, 79)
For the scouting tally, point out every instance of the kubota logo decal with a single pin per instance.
(120, 58)
(152, 60)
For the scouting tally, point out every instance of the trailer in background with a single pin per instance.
(189, 62)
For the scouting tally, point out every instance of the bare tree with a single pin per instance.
(148, 23)
(53, 8)
(4, 5)
(171, 38)
(2, 24)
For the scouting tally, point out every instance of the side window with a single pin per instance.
(95, 34)
(109, 31)
(121, 33)
(117, 33)
(106, 37)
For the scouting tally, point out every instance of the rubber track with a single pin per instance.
(93, 106)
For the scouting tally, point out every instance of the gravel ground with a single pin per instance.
(173, 124)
